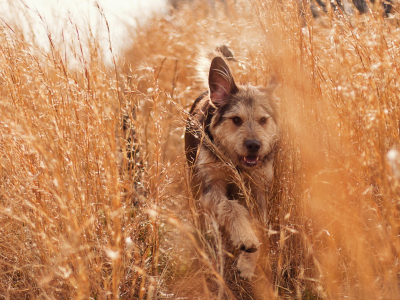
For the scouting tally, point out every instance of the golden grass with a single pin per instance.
(80, 218)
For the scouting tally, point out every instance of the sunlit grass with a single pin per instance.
(94, 193)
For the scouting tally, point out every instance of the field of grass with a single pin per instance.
(94, 193)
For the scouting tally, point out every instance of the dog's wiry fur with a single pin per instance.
(233, 129)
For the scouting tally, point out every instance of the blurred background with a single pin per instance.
(122, 15)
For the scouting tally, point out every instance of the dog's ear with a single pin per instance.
(221, 82)
(273, 84)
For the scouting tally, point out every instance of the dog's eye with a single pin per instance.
(263, 120)
(237, 121)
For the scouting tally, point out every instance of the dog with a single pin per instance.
(233, 129)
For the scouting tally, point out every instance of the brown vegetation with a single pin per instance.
(86, 214)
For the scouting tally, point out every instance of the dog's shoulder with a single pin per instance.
(200, 104)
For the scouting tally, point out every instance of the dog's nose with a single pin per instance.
(253, 145)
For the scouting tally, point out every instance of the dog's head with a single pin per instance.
(245, 124)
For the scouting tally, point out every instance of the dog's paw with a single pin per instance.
(251, 249)
(246, 264)
(249, 244)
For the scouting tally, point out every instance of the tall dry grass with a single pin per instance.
(73, 220)
(94, 198)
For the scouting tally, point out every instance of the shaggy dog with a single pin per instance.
(232, 132)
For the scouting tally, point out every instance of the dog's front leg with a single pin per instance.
(262, 207)
(261, 181)
(247, 263)
(236, 220)
(233, 217)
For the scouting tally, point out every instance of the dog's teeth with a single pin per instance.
(246, 159)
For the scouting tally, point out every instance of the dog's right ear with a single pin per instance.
(221, 82)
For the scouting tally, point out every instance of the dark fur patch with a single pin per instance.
(206, 189)
(201, 112)
(232, 191)
(270, 107)
(220, 113)
(248, 101)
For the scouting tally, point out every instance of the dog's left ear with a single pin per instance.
(273, 84)
(221, 82)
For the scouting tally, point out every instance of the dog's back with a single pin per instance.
(201, 114)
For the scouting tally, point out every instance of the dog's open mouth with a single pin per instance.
(249, 161)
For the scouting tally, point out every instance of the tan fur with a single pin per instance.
(229, 137)
(220, 148)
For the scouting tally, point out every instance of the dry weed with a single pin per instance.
(94, 197)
